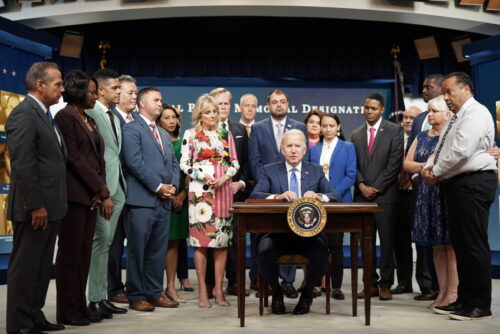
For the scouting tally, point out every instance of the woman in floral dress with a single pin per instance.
(209, 159)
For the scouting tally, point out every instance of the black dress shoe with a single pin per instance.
(78, 322)
(426, 295)
(96, 309)
(471, 313)
(289, 291)
(448, 309)
(302, 306)
(94, 317)
(27, 331)
(49, 327)
(400, 289)
(278, 305)
(112, 308)
(338, 294)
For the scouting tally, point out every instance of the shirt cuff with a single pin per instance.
(243, 183)
(436, 171)
(271, 197)
(159, 187)
(324, 198)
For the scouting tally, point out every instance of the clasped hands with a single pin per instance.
(290, 196)
(215, 183)
(428, 176)
(368, 192)
(166, 191)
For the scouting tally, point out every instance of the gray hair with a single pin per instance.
(294, 131)
(38, 71)
(439, 104)
(248, 95)
(126, 78)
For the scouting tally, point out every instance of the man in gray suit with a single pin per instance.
(152, 177)
(37, 198)
(379, 154)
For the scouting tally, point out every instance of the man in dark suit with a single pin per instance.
(264, 148)
(289, 180)
(124, 112)
(424, 271)
(152, 178)
(379, 154)
(223, 98)
(37, 198)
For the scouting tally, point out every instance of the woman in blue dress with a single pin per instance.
(430, 223)
(338, 159)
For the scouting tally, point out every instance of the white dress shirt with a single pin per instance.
(124, 114)
(326, 156)
(467, 142)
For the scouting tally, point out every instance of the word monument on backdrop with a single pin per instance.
(344, 99)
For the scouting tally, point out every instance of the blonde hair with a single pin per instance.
(204, 102)
(438, 104)
(217, 91)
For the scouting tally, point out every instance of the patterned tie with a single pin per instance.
(129, 118)
(279, 134)
(294, 184)
(223, 125)
(157, 136)
(371, 141)
(438, 151)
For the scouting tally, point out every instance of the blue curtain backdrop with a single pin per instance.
(14, 63)
(264, 47)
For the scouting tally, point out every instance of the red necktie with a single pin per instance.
(157, 136)
(371, 141)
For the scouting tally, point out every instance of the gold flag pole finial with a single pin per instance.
(104, 46)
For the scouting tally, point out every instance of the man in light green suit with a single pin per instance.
(109, 127)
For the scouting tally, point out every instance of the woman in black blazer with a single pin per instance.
(86, 189)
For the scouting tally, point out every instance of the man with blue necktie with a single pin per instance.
(289, 180)
(264, 148)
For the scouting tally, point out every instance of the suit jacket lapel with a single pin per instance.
(316, 153)
(51, 126)
(150, 134)
(378, 138)
(283, 177)
(75, 114)
(364, 141)
(336, 151)
(304, 179)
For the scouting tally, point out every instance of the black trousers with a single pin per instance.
(402, 238)
(73, 261)
(29, 274)
(469, 198)
(384, 224)
(272, 246)
(115, 283)
(336, 246)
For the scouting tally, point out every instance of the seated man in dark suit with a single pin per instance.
(289, 180)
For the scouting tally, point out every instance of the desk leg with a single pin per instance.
(367, 264)
(241, 230)
(354, 272)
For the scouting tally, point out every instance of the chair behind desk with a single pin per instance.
(289, 259)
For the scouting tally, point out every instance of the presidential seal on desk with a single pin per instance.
(306, 217)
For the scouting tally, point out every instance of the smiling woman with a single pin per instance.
(209, 159)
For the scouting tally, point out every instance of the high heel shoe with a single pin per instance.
(178, 300)
(189, 288)
(223, 303)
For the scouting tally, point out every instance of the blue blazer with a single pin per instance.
(342, 172)
(274, 181)
(262, 149)
(147, 166)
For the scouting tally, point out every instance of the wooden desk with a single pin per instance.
(355, 218)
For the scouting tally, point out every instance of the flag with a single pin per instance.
(398, 103)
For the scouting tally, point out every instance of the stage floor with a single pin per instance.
(400, 315)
